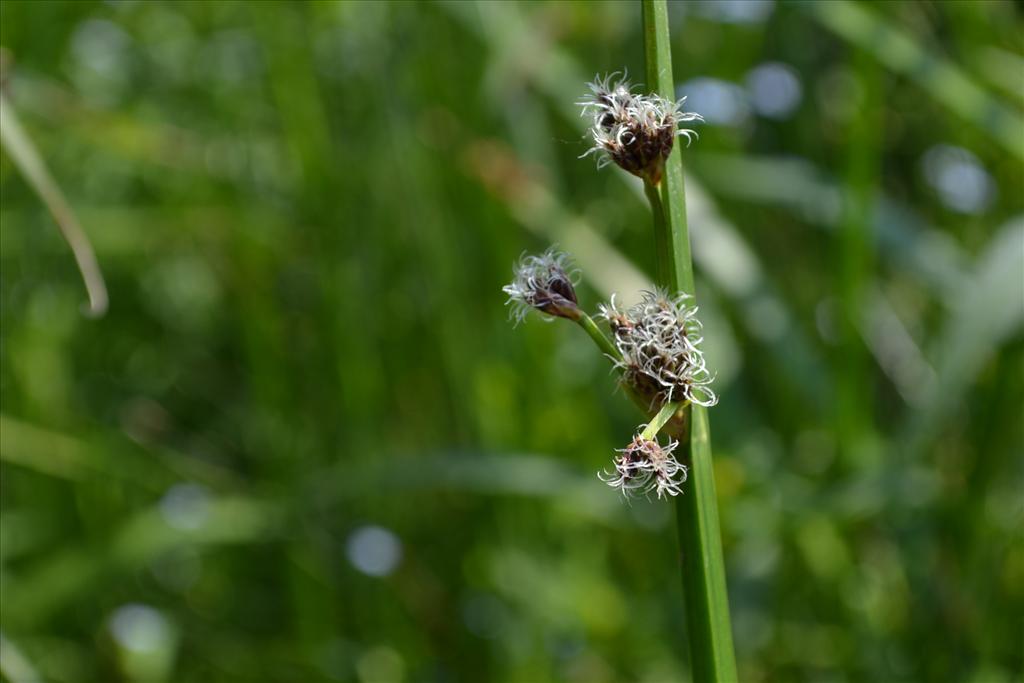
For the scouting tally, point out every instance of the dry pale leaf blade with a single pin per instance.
(28, 161)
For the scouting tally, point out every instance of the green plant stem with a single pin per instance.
(599, 337)
(853, 259)
(667, 270)
(703, 567)
(666, 267)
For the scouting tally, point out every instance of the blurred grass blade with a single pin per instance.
(988, 311)
(480, 473)
(941, 79)
(51, 454)
(903, 237)
(70, 574)
(100, 456)
(897, 352)
(26, 158)
(705, 594)
(853, 256)
(14, 665)
(1002, 68)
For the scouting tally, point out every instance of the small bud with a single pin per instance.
(646, 466)
(637, 132)
(659, 341)
(546, 283)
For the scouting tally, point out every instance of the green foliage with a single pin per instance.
(304, 214)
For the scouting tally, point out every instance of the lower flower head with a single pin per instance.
(643, 467)
(545, 283)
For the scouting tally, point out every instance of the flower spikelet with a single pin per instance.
(635, 131)
(545, 283)
(659, 339)
(645, 466)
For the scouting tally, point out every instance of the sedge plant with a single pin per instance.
(655, 345)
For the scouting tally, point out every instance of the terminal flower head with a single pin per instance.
(635, 131)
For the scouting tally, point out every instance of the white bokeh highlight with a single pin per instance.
(374, 550)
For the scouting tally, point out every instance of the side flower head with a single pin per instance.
(645, 466)
(659, 340)
(635, 131)
(545, 283)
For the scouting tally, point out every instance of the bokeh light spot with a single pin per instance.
(374, 550)
(140, 628)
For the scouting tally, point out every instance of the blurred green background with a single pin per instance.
(306, 444)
